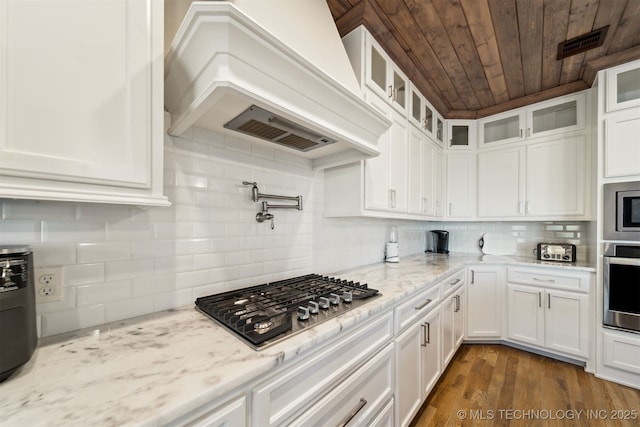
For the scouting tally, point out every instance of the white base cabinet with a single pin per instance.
(82, 112)
(545, 316)
(231, 414)
(485, 303)
(452, 324)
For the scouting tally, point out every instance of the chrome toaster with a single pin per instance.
(563, 252)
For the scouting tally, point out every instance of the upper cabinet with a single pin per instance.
(564, 114)
(82, 113)
(461, 134)
(422, 114)
(623, 86)
(375, 70)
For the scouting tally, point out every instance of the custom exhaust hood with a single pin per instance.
(273, 71)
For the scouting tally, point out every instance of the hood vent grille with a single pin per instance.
(268, 126)
(582, 43)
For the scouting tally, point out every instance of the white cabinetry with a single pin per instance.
(622, 143)
(375, 70)
(290, 393)
(422, 113)
(231, 414)
(564, 114)
(543, 180)
(82, 113)
(461, 134)
(549, 309)
(452, 324)
(425, 175)
(485, 303)
(623, 86)
(461, 185)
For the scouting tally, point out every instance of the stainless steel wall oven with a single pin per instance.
(622, 287)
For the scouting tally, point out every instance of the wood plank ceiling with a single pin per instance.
(474, 58)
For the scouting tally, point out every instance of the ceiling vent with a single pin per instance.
(582, 43)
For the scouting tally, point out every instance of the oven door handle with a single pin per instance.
(622, 261)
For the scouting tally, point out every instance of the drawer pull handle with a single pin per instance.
(353, 413)
(544, 280)
(455, 282)
(426, 303)
(549, 301)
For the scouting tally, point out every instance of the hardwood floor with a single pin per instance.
(496, 385)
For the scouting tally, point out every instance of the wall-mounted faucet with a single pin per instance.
(264, 214)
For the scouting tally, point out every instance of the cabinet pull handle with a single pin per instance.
(450, 207)
(544, 280)
(539, 299)
(473, 276)
(520, 210)
(527, 207)
(549, 301)
(353, 413)
(528, 132)
(427, 339)
(520, 133)
(455, 282)
(457, 309)
(390, 91)
(393, 199)
(423, 305)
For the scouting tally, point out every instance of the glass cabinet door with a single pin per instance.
(555, 116)
(416, 107)
(399, 90)
(501, 128)
(428, 119)
(378, 71)
(623, 86)
(461, 134)
(439, 130)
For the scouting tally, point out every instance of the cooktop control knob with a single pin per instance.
(313, 307)
(347, 296)
(323, 302)
(303, 313)
(334, 299)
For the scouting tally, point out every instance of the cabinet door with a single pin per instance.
(525, 315)
(623, 86)
(431, 366)
(621, 144)
(501, 176)
(409, 374)
(566, 322)
(377, 67)
(417, 172)
(561, 115)
(461, 134)
(556, 178)
(501, 129)
(376, 169)
(438, 181)
(461, 185)
(398, 163)
(448, 339)
(77, 83)
(459, 316)
(484, 303)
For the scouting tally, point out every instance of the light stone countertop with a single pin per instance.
(150, 370)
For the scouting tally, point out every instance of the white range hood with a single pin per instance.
(281, 58)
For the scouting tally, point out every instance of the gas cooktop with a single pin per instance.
(265, 314)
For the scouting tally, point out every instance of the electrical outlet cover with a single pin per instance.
(48, 283)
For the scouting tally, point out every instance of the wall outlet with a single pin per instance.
(48, 283)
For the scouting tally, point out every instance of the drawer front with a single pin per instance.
(550, 278)
(622, 353)
(296, 387)
(358, 399)
(453, 282)
(410, 311)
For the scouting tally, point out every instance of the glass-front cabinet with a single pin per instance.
(623, 86)
(461, 134)
(422, 113)
(384, 77)
(559, 115)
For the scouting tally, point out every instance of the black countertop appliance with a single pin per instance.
(18, 335)
(439, 242)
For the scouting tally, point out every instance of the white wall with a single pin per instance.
(123, 261)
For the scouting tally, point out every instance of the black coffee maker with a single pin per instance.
(18, 336)
(438, 241)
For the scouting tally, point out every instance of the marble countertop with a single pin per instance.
(150, 370)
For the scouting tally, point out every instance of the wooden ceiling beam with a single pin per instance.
(591, 68)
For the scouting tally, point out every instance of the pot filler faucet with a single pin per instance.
(264, 214)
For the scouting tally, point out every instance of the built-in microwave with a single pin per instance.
(621, 203)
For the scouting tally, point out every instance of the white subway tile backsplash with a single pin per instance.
(46, 255)
(173, 230)
(129, 230)
(173, 264)
(210, 260)
(73, 231)
(20, 232)
(151, 285)
(32, 209)
(192, 246)
(68, 302)
(152, 249)
(192, 279)
(119, 270)
(125, 309)
(103, 292)
(103, 251)
(170, 300)
(69, 320)
(82, 274)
